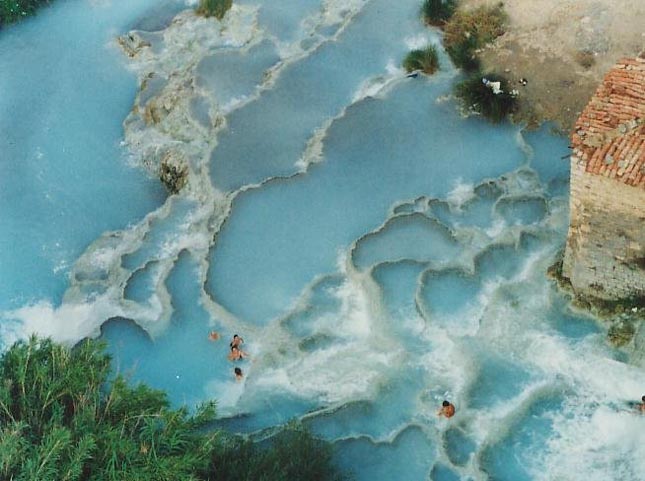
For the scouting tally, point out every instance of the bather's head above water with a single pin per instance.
(236, 341)
(447, 409)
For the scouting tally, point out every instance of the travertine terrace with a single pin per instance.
(605, 252)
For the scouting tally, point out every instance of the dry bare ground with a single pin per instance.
(563, 48)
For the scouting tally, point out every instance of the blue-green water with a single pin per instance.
(405, 266)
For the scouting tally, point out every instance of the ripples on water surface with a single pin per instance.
(405, 266)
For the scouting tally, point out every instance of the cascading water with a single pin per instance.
(378, 252)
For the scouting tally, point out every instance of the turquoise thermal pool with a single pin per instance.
(378, 251)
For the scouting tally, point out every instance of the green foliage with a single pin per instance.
(214, 8)
(425, 60)
(63, 419)
(467, 31)
(480, 98)
(463, 54)
(14, 10)
(436, 12)
(292, 454)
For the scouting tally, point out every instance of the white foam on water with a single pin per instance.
(377, 85)
(461, 194)
(227, 393)
(356, 314)
(465, 322)
(191, 234)
(450, 366)
(348, 368)
(336, 374)
(414, 325)
(83, 317)
(606, 444)
(488, 426)
(234, 104)
(533, 260)
(417, 42)
(187, 240)
(497, 229)
(67, 323)
(587, 365)
(392, 68)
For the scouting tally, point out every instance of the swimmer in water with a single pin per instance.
(641, 406)
(213, 335)
(237, 354)
(236, 342)
(238, 374)
(447, 410)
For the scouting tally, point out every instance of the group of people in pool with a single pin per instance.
(236, 354)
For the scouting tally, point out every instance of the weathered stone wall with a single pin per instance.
(605, 253)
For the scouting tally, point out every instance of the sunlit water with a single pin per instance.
(407, 266)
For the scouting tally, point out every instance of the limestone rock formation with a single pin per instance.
(605, 251)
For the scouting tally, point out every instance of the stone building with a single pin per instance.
(605, 251)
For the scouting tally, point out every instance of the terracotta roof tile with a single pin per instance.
(609, 136)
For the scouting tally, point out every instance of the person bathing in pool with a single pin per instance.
(237, 354)
(447, 409)
(641, 406)
(236, 342)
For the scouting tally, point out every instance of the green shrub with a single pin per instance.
(62, 419)
(463, 54)
(14, 10)
(214, 8)
(292, 454)
(436, 12)
(481, 98)
(467, 31)
(425, 60)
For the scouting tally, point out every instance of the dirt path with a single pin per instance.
(563, 48)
